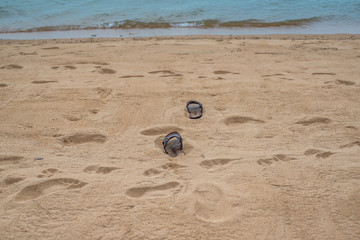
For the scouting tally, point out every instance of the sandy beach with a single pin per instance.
(276, 154)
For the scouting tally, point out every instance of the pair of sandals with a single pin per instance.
(172, 143)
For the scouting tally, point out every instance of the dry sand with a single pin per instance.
(276, 154)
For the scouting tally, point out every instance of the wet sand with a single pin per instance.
(276, 154)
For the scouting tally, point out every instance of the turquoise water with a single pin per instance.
(41, 15)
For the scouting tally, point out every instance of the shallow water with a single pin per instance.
(40, 15)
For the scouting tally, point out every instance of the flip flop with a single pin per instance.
(195, 109)
(172, 144)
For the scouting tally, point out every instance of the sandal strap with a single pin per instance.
(170, 136)
(194, 102)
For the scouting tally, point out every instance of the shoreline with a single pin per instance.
(334, 37)
(173, 32)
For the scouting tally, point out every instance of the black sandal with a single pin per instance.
(172, 144)
(195, 109)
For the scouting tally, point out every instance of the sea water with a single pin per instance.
(200, 16)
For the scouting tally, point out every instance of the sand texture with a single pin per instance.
(276, 154)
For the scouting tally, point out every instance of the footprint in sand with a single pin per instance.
(167, 73)
(172, 75)
(352, 144)
(152, 172)
(42, 82)
(99, 64)
(220, 108)
(318, 153)
(323, 73)
(233, 120)
(4, 160)
(314, 120)
(162, 71)
(94, 111)
(12, 179)
(210, 204)
(99, 169)
(48, 172)
(310, 152)
(324, 154)
(103, 92)
(49, 186)
(344, 82)
(160, 169)
(80, 138)
(28, 53)
(70, 67)
(163, 190)
(50, 48)
(11, 66)
(132, 76)
(215, 163)
(221, 72)
(106, 71)
(73, 118)
(275, 158)
(272, 75)
(159, 130)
